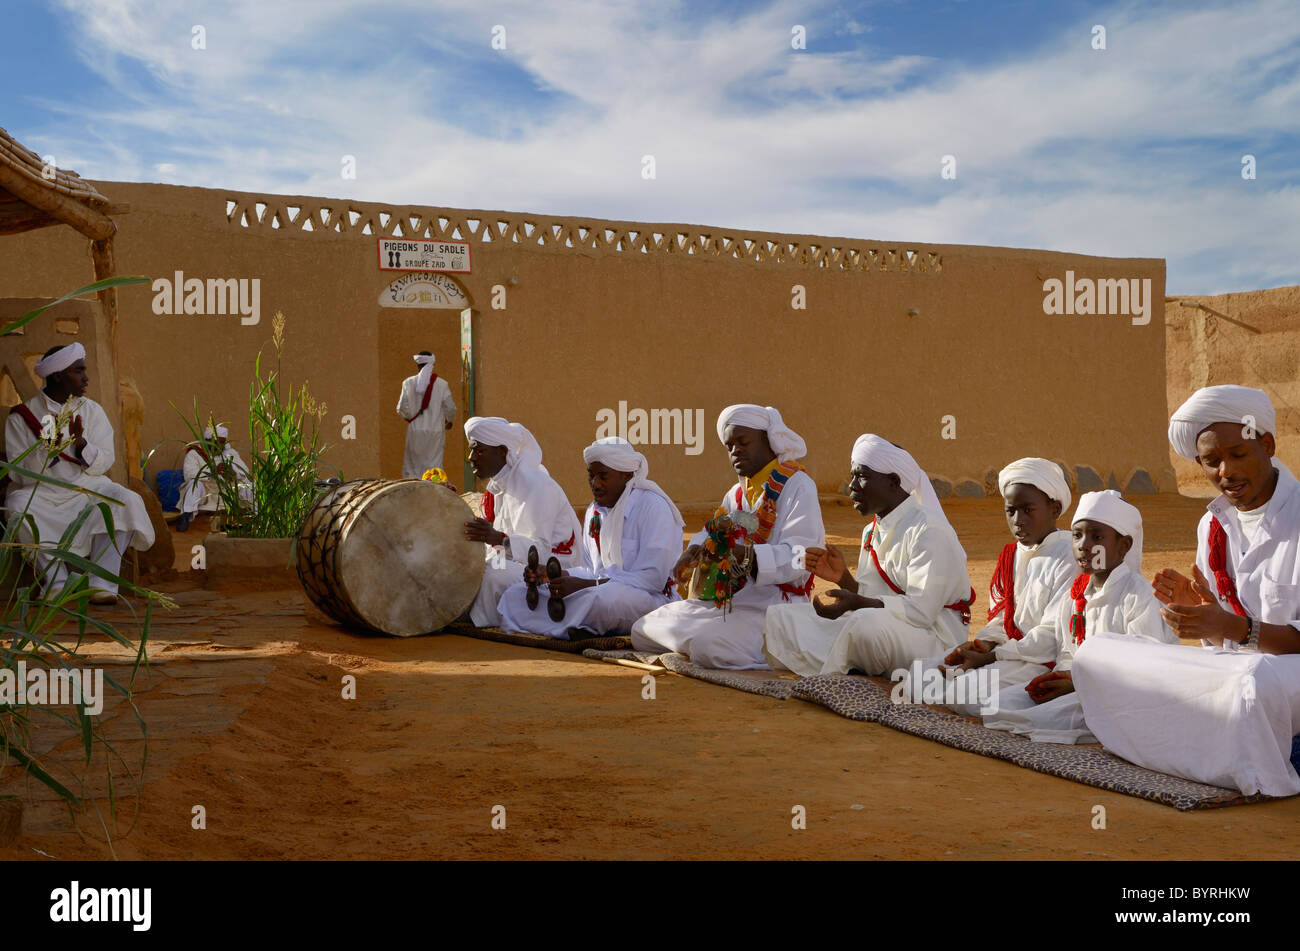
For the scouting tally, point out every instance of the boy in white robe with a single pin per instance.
(200, 488)
(1224, 713)
(784, 497)
(429, 410)
(1106, 531)
(523, 507)
(1031, 572)
(631, 538)
(61, 414)
(912, 596)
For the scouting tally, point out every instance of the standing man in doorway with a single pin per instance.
(429, 411)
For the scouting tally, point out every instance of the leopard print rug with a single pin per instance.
(868, 699)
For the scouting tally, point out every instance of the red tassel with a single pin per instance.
(1217, 559)
(1077, 621)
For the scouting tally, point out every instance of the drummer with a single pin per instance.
(631, 538)
(523, 508)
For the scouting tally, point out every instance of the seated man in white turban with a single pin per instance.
(429, 410)
(205, 462)
(61, 415)
(912, 597)
(783, 498)
(1224, 713)
(523, 508)
(1109, 595)
(631, 538)
(1031, 573)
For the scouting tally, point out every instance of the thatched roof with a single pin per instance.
(29, 199)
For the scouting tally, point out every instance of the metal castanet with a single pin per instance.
(390, 556)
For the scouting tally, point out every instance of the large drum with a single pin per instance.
(390, 556)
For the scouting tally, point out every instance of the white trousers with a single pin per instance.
(53, 573)
(870, 639)
(700, 630)
(484, 611)
(608, 608)
(1222, 717)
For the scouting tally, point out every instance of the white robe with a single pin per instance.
(426, 434)
(200, 489)
(1217, 715)
(652, 542)
(1040, 573)
(922, 555)
(1124, 606)
(534, 513)
(53, 507)
(734, 641)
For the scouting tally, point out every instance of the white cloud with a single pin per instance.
(1063, 147)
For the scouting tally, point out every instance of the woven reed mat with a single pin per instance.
(538, 640)
(867, 699)
(762, 682)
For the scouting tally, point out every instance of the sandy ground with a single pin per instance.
(246, 719)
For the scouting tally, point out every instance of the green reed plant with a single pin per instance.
(284, 453)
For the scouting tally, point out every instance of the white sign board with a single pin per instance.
(419, 290)
(405, 254)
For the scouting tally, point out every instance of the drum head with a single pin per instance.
(404, 562)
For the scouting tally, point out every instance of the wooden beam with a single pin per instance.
(18, 217)
(93, 224)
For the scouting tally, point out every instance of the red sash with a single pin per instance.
(1002, 592)
(35, 426)
(1217, 559)
(203, 453)
(1077, 622)
(428, 392)
(961, 607)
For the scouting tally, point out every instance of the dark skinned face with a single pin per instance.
(1240, 468)
(486, 461)
(607, 484)
(70, 382)
(873, 493)
(748, 448)
(1088, 536)
(1031, 515)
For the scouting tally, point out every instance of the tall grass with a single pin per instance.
(49, 628)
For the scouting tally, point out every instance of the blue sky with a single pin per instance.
(1134, 150)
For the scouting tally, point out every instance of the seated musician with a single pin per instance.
(780, 498)
(631, 538)
(61, 415)
(206, 461)
(523, 509)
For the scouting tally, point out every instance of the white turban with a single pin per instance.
(221, 432)
(1042, 474)
(60, 359)
(881, 455)
(1219, 404)
(425, 361)
(522, 451)
(619, 455)
(785, 442)
(1109, 508)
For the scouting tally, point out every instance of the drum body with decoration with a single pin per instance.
(390, 556)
